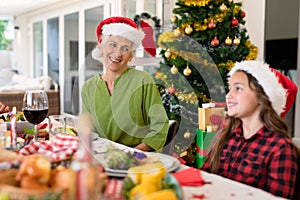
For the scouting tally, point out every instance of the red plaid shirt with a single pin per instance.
(266, 160)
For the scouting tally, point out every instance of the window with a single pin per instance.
(71, 38)
(38, 49)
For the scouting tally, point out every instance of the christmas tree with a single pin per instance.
(207, 38)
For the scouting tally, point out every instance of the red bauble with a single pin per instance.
(211, 25)
(243, 14)
(215, 42)
(234, 22)
(171, 89)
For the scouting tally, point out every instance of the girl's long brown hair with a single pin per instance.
(272, 121)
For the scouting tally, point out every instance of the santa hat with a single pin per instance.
(279, 88)
(127, 28)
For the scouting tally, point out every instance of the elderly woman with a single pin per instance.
(124, 103)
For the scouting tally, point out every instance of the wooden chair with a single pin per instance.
(168, 147)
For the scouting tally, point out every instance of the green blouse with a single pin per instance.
(132, 114)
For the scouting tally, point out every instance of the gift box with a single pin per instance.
(211, 118)
(203, 143)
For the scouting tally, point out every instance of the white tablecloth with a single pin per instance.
(221, 188)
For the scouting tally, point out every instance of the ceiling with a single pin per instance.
(10, 8)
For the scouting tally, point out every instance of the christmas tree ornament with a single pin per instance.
(174, 70)
(187, 71)
(171, 89)
(228, 41)
(243, 14)
(215, 42)
(230, 1)
(211, 25)
(174, 18)
(236, 41)
(177, 32)
(188, 30)
(223, 7)
(234, 22)
(187, 134)
(168, 53)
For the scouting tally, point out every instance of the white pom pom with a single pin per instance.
(96, 54)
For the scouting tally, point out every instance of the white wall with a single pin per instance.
(297, 107)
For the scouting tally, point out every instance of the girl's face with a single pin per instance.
(117, 52)
(241, 100)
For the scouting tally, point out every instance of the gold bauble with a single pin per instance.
(236, 41)
(177, 32)
(223, 7)
(174, 18)
(187, 134)
(174, 70)
(188, 30)
(228, 41)
(168, 53)
(187, 71)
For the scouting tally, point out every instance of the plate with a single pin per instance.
(99, 146)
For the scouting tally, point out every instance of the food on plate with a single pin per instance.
(61, 177)
(71, 131)
(42, 135)
(7, 117)
(149, 182)
(124, 159)
(153, 171)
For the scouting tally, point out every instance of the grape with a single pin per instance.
(140, 155)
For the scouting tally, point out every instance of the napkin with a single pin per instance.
(189, 177)
(61, 147)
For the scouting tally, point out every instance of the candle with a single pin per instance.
(13, 128)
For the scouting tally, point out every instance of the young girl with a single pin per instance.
(254, 147)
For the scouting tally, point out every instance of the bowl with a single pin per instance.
(21, 125)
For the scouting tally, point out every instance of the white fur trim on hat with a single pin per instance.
(267, 79)
(126, 31)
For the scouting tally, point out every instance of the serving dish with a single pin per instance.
(100, 148)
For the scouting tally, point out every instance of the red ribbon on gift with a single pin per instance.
(201, 151)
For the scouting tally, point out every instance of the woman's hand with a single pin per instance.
(143, 147)
(3, 108)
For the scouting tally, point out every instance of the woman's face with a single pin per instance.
(241, 100)
(117, 52)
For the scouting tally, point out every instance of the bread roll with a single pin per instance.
(61, 178)
(28, 182)
(37, 167)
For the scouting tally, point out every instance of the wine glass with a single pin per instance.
(35, 107)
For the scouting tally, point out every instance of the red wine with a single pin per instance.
(35, 116)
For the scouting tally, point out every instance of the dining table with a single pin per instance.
(220, 188)
(215, 187)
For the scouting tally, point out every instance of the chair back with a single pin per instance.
(169, 145)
